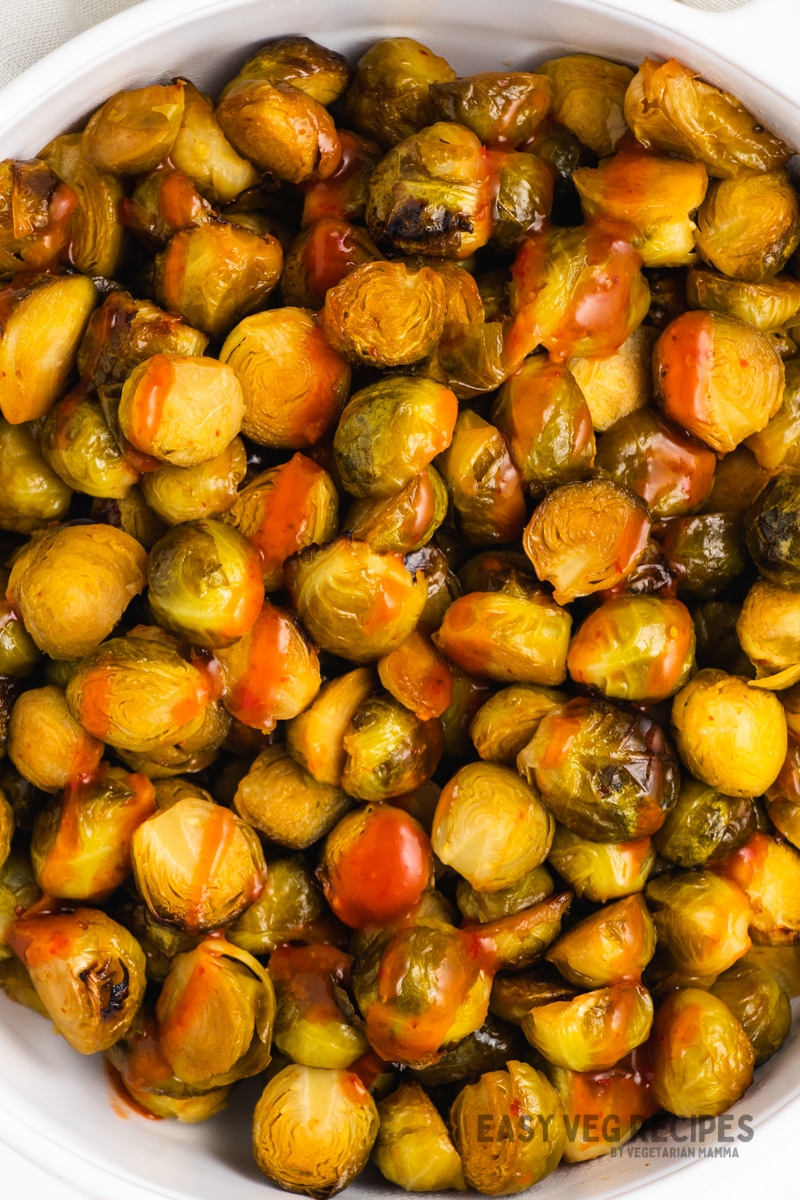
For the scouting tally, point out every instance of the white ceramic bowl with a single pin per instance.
(56, 1107)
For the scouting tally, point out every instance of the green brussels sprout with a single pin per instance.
(731, 736)
(505, 724)
(491, 826)
(759, 1004)
(413, 1148)
(772, 231)
(280, 129)
(702, 1058)
(18, 651)
(658, 195)
(542, 412)
(479, 360)
(47, 745)
(706, 552)
(79, 446)
(307, 66)
(310, 1026)
(177, 494)
(442, 584)
(202, 152)
(620, 383)
(503, 109)
(44, 318)
(613, 944)
(608, 775)
(518, 1099)
(314, 1129)
(593, 1031)
(768, 871)
(601, 871)
(404, 522)
(701, 921)
(18, 888)
(513, 996)
(390, 96)
(197, 865)
(138, 695)
(73, 585)
(771, 529)
(163, 202)
(288, 910)
(81, 845)
(523, 198)
(88, 972)
(134, 130)
(483, 482)
(479, 907)
(668, 106)
(315, 738)
(213, 275)
(588, 96)
(388, 750)
(603, 1109)
(775, 445)
(282, 800)
(704, 825)
(354, 602)
(431, 194)
(638, 648)
(37, 211)
(97, 236)
(205, 584)
(123, 332)
(769, 304)
(32, 494)
(159, 942)
(215, 1015)
(328, 247)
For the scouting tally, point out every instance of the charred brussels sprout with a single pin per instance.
(390, 95)
(288, 910)
(46, 744)
(731, 736)
(388, 750)
(384, 315)
(508, 720)
(760, 1005)
(31, 493)
(315, 738)
(72, 586)
(702, 1058)
(601, 871)
(491, 826)
(704, 825)
(88, 971)
(483, 482)
(202, 152)
(178, 494)
(615, 943)
(701, 921)
(771, 528)
(313, 1129)
(133, 131)
(760, 247)
(197, 866)
(588, 97)
(619, 383)
(307, 66)
(78, 444)
(310, 1027)
(123, 332)
(280, 129)
(413, 1148)
(593, 1031)
(282, 800)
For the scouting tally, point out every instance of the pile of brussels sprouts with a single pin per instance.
(400, 643)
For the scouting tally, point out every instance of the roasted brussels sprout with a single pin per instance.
(603, 1109)
(491, 826)
(701, 926)
(514, 995)
(505, 724)
(307, 66)
(288, 910)
(31, 493)
(280, 129)
(783, 798)
(328, 205)
(37, 211)
(768, 630)
(770, 305)
(97, 236)
(702, 1058)
(638, 648)
(313, 1129)
(758, 248)
(214, 274)
(601, 871)
(133, 131)
(282, 800)
(18, 652)
(178, 494)
(413, 1148)
(123, 332)
(197, 866)
(668, 106)
(518, 1100)
(771, 528)
(88, 971)
(620, 383)
(760, 1005)
(614, 944)
(588, 97)
(78, 444)
(162, 203)
(480, 907)
(315, 738)
(202, 152)
(354, 602)
(73, 585)
(321, 256)
(47, 745)
(704, 825)
(309, 1024)
(7, 824)
(593, 1031)
(503, 109)
(731, 736)
(523, 196)
(768, 869)
(418, 677)
(44, 317)
(375, 865)
(404, 522)
(776, 445)
(390, 94)
(483, 482)
(18, 888)
(388, 750)
(15, 981)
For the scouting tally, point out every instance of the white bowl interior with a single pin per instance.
(55, 1106)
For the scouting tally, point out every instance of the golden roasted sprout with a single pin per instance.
(202, 152)
(404, 522)
(484, 483)
(768, 628)
(77, 443)
(593, 1031)
(504, 109)
(778, 443)
(604, 1109)
(19, 653)
(588, 96)
(18, 888)
(289, 909)
(294, 384)
(315, 738)
(281, 799)
(133, 131)
(123, 332)
(280, 129)
(209, 489)
(601, 871)
(32, 495)
(669, 107)
(322, 255)
(701, 921)
(73, 585)
(163, 202)
(704, 825)
(760, 1005)
(389, 97)
(388, 750)
(504, 725)
(756, 246)
(418, 677)
(614, 944)
(46, 744)
(768, 870)
(43, 320)
(479, 907)
(770, 304)
(312, 69)
(310, 1027)
(97, 236)
(620, 383)
(413, 1148)
(36, 216)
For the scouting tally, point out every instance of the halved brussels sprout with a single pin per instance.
(523, 198)
(731, 736)
(32, 495)
(390, 97)
(603, 1109)
(18, 888)
(702, 1058)
(315, 738)
(593, 1031)
(413, 1148)
(701, 921)
(668, 106)
(508, 1129)
(773, 532)
(310, 1026)
(78, 444)
(272, 673)
(321, 256)
(163, 202)
(44, 318)
(73, 585)
(418, 677)
(288, 910)
(768, 628)
(491, 826)
(479, 907)
(177, 494)
(614, 944)
(601, 871)
(375, 866)
(776, 445)
(759, 246)
(123, 332)
(340, 198)
(403, 522)
(620, 383)
(47, 745)
(279, 798)
(514, 995)
(431, 194)
(770, 305)
(215, 1015)
(97, 236)
(37, 212)
(133, 131)
(704, 825)
(578, 291)
(505, 724)
(181, 409)
(483, 482)
(388, 750)
(312, 69)
(586, 537)
(88, 971)
(542, 412)
(768, 869)
(353, 602)
(138, 695)
(638, 648)
(760, 1005)
(502, 108)
(197, 866)
(202, 151)
(313, 1129)
(280, 129)
(588, 97)
(214, 274)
